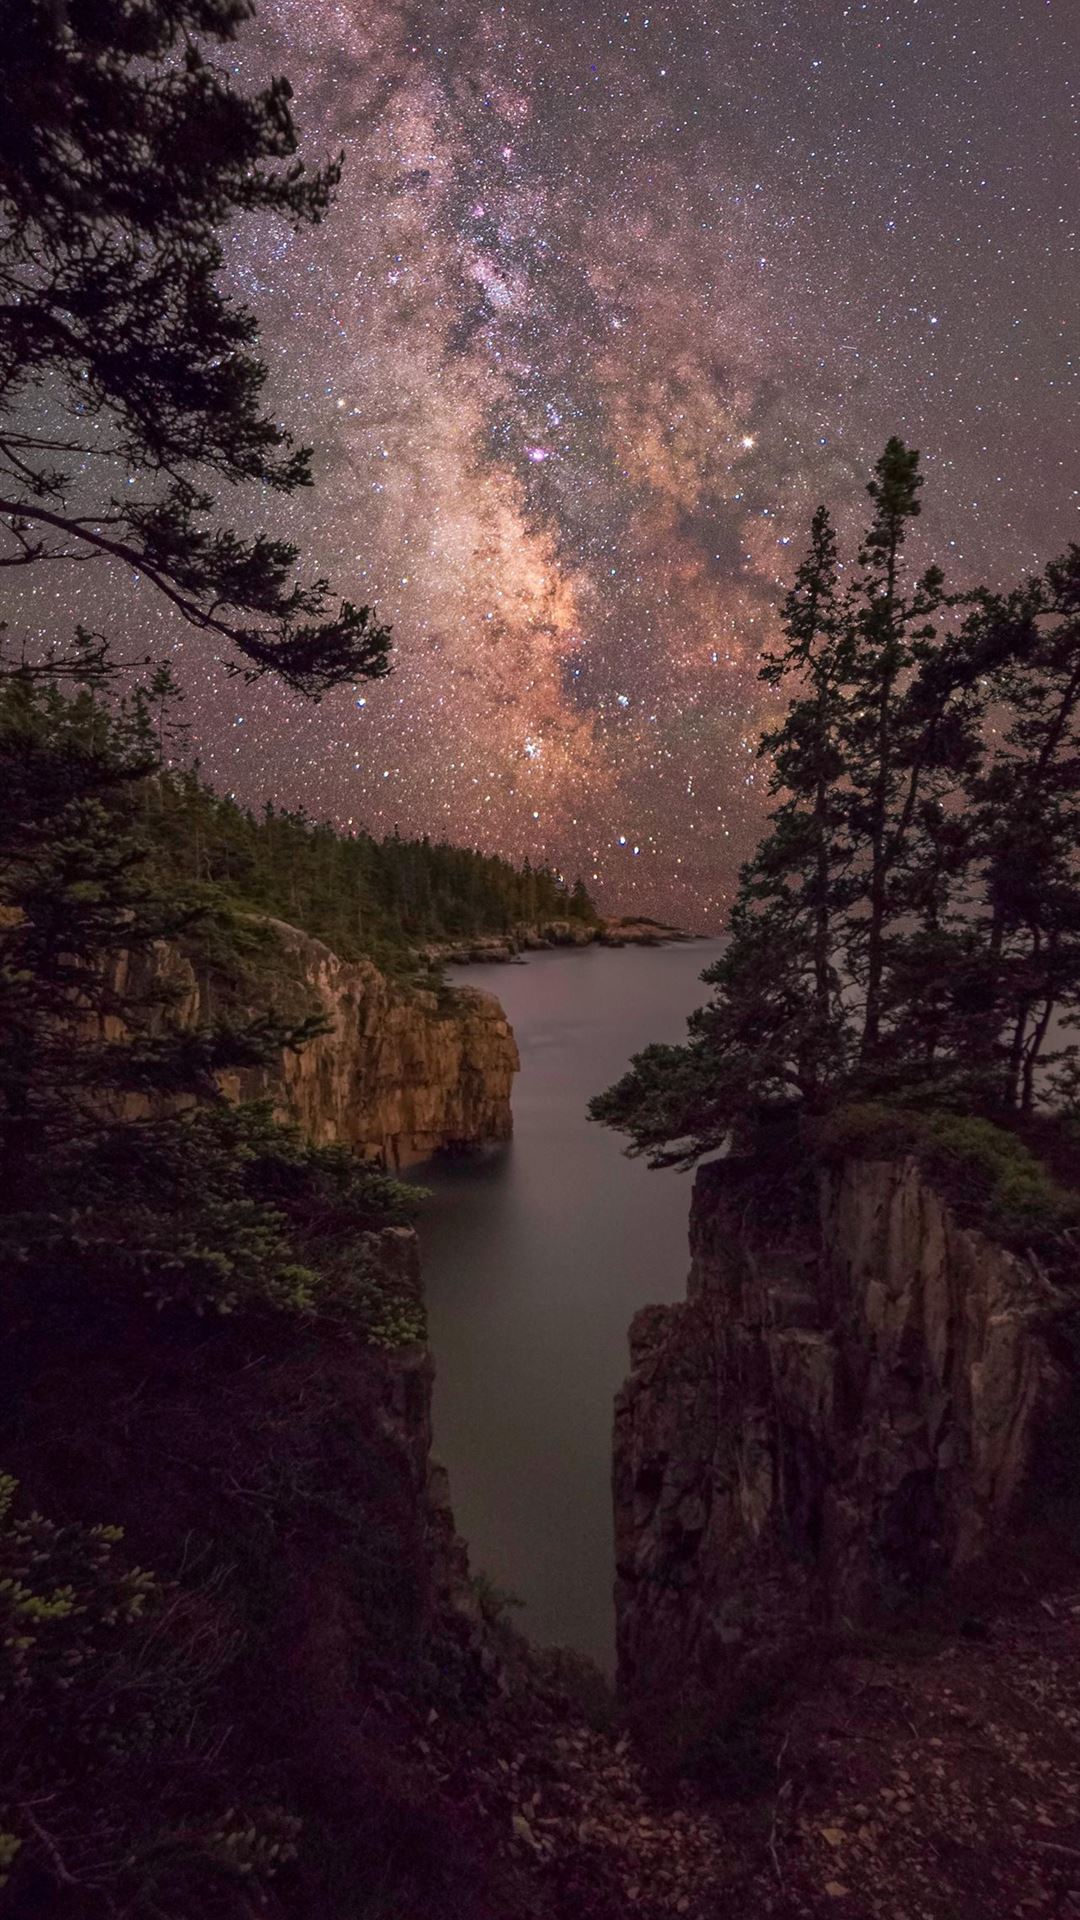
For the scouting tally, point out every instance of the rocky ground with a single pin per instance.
(936, 1780)
(929, 1775)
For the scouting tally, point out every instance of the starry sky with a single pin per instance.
(611, 296)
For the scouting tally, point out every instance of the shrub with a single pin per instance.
(217, 1211)
(107, 1756)
(985, 1171)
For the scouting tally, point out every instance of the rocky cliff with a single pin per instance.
(848, 1408)
(400, 1073)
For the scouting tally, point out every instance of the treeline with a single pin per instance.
(359, 894)
(909, 927)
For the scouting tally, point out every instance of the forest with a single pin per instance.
(361, 895)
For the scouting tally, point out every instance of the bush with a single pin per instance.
(992, 1179)
(217, 1211)
(106, 1757)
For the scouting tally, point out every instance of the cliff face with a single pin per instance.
(843, 1411)
(400, 1074)
(342, 1668)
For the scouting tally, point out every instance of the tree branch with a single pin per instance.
(131, 556)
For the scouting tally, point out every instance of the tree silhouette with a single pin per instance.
(909, 926)
(130, 383)
(797, 863)
(1026, 811)
(886, 618)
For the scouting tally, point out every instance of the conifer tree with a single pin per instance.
(799, 856)
(833, 977)
(887, 620)
(937, 995)
(774, 1031)
(1026, 807)
(131, 390)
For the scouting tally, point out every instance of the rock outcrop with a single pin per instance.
(400, 1074)
(504, 948)
(847, 1409)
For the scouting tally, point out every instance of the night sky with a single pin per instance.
(610, 298)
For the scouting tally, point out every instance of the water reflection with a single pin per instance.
(535, 1258)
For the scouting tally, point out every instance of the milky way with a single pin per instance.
(609, 299)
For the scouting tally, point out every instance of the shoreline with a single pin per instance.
(512, 949)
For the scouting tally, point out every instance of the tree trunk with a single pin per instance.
(875, 950)
(875, 943)
(1034, 1049)
(821, 906)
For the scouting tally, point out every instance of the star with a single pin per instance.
(572, 255)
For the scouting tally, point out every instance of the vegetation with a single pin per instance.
(102, 1683)
(198, 1318)
(205, 1344)
(127, 1166)
(196, 1311)
(992, 1178)
(361, 895)
(908, 930)
(125, 148)
(139, 1207)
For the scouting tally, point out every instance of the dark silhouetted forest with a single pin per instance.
(359, 894)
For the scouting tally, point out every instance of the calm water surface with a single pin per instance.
(535, 1260)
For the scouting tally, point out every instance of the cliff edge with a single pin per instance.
(401, 1072)
(859, 1399)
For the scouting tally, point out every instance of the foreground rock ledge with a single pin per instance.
(846, 1412)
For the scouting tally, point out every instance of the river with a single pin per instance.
(536, 1257)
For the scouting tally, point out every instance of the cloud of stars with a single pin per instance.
(610, 298)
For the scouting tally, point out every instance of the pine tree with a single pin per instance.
(799, 857)
(887, 622)
(937, 996)
(1026, 806)
(773, 1033)
(125, 148)
(830, 982)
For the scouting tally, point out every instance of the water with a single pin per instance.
(535, 1260)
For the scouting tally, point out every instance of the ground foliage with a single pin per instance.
(109, 1785)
